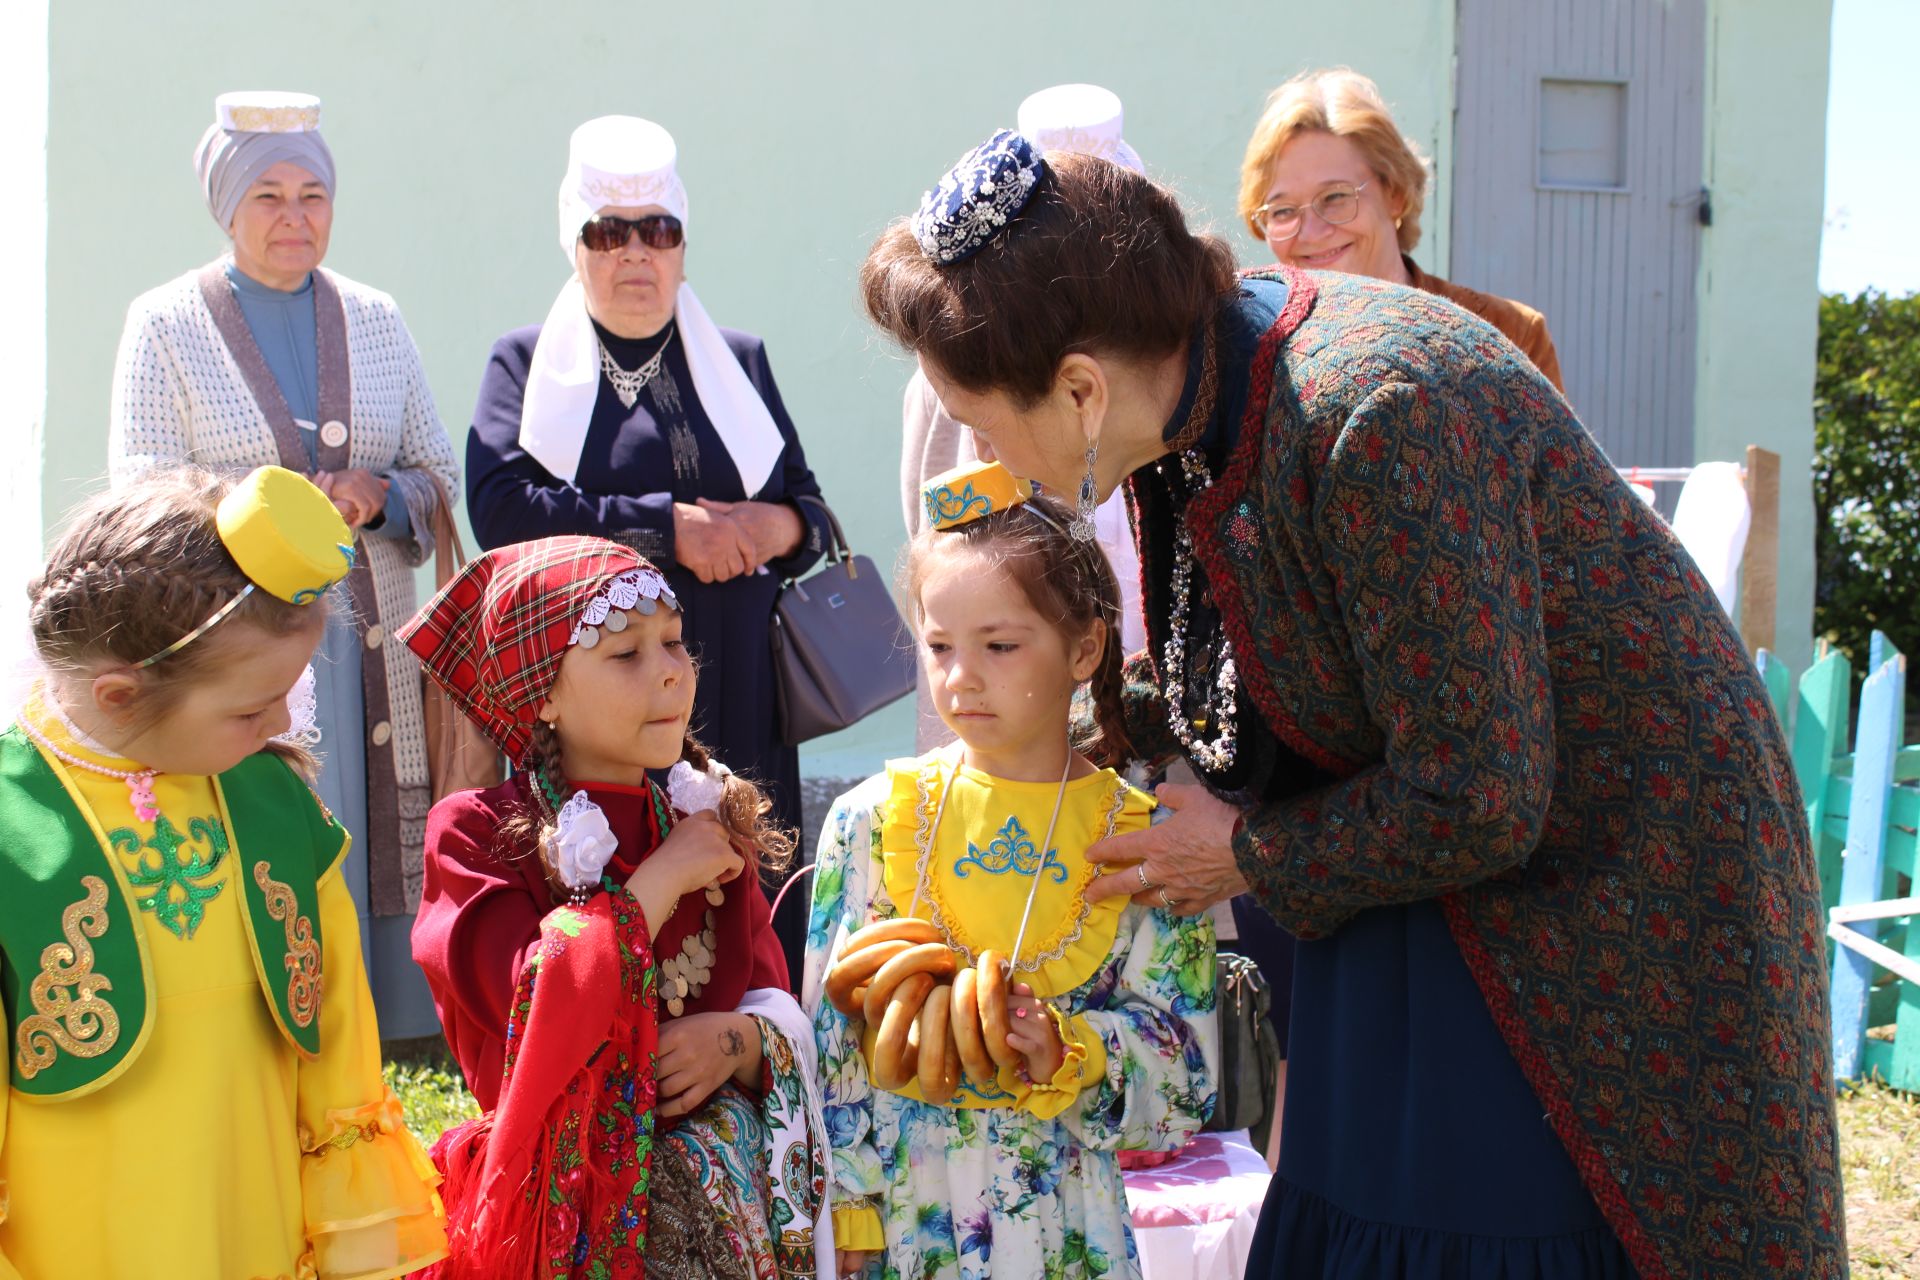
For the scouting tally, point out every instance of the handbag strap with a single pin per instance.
(449, 552)
(841, 549)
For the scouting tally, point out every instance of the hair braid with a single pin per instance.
(529, 827)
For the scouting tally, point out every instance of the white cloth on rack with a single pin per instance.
(1711, 521)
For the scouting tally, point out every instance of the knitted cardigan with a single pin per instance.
(1439, 590)
(179, 396)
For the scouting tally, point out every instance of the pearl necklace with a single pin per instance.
(628, 384)
(1219, 706)
(139, 781)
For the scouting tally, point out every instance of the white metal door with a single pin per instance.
(1576, 189)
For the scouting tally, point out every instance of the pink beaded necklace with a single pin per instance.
(139, 781)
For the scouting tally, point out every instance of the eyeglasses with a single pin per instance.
(606, 233)
(1336, 206)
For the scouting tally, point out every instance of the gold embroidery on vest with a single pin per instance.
(303, 956)
(68, 1011)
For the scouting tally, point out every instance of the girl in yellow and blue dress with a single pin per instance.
(193, 1079)
(990, 1038)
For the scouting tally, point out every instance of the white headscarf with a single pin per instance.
(1081, 118)
(624, 162)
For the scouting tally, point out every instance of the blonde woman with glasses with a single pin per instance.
(1331, 184)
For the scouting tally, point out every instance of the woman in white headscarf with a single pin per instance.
(630, 415)
(263, 356)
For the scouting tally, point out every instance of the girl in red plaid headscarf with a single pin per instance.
(607, 977)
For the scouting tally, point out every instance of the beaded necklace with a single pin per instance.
(1219, 707)
(139, 781)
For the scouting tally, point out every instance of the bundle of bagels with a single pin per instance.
(934, 1018)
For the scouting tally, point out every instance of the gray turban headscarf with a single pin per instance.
(229, 161)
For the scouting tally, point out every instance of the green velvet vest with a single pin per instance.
(74, 968)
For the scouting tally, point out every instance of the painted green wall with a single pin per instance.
(1759, 292)
(23, 269)
(803, 128)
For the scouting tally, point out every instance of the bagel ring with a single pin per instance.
(901, 929)
(991, 996)
(963, 1009)
(890, 1069)
(1170, 903)
(939, 1063)
(932, 958)
(850, 972)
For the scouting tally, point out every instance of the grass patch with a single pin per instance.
(430, 1088)
(1880, 1156)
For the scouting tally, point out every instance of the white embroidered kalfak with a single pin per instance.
(1081, 118)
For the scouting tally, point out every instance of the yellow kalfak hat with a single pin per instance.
(285, 535)
(965, 494)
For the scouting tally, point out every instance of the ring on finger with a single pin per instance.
(1167, 900)
(1145, 884)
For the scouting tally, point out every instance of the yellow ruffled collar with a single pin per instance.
(975, 870)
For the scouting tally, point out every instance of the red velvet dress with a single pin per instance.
(482, 904)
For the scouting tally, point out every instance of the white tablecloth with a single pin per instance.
(1193, 1218)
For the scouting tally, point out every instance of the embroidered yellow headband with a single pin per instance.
(965, 494)
(285, 535)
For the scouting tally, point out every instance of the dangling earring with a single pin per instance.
(1082, 528)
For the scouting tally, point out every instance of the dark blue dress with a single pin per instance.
(636, 463)
(1412, 1147)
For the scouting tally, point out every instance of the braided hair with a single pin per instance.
(136, 570)
(1069, 583)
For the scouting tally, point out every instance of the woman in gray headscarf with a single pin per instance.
(263, 357)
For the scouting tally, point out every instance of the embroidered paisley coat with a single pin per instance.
(1439, 590)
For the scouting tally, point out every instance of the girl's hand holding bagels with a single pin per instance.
(1034, 1035)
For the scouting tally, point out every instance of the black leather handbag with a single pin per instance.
(1249, 1049)
(841, 651)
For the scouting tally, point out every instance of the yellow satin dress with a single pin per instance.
(217, 1153)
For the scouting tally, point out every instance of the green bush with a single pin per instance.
(1866, 474)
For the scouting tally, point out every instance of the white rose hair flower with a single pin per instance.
(691, 791)
(582, 844)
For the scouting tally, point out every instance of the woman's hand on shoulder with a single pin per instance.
(700, 1052)
(1183, 865)
(711, 544)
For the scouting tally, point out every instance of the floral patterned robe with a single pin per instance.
(972, 1193)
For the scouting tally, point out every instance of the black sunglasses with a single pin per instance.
(605, 233)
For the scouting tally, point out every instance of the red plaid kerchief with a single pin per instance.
(494, 635)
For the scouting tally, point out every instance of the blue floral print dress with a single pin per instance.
(1014, 1178)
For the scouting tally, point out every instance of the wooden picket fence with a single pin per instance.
(1863, 808)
